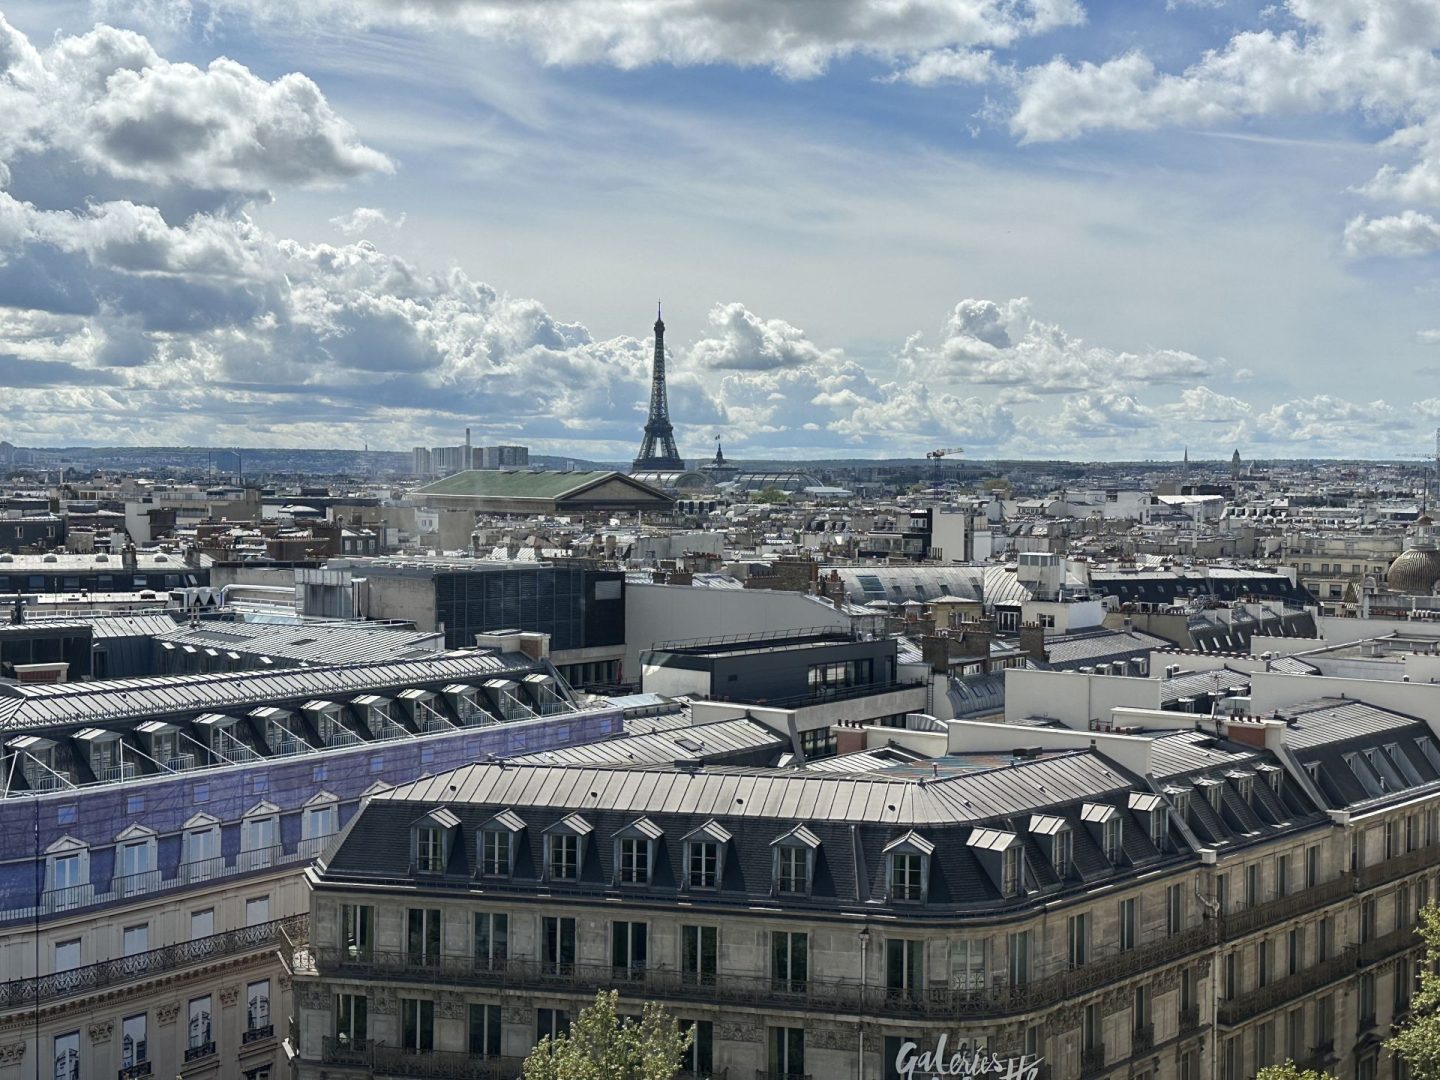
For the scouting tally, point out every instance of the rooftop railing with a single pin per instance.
(127, 969)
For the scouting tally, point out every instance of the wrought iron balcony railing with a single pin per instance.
(381, 1060)
(126, 969)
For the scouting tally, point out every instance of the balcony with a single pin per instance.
(1265, 998)
(259, 1033)
(134, 1072)
(811, 995)
(1397, 867)
(1092, 1060)
(1189, 1018)
(128, 969)
(1264, 916)
(1387, 945)
(199, 1051)
(1142, 1038)
(382, 1060)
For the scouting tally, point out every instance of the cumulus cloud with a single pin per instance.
(1406, 233)
(950, 66)
(364, 218)
(798, 40)
(742, 341)
(107, 101)
(1374, 57)
(985, 343)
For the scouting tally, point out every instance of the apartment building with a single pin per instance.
(1174, 903)
(153, 834)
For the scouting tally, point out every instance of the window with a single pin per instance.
(702, 864)
(1129, 928)
(1232, 979)
(1367, 999)
(787, 1051)
(629, 946)
(1295, 1034)
(563, 856)
(1368, 919)
(1262, 962)
(558, 944)
(794, 869)
(1174, 909)
(968, 960)
(67, 954)
(320, 821)
(1231, 1070)
(699, 954)
(257, 1010)
(1012, 863)
(1294, 950)
(352, 1018)
(199, 1040)
(1253, 894)
(1312, 866)
(907, 875)
(634, 861)
(1062, 852)
(1222, 893)
(429, 849)
(700, 1058)
(1113, 836)
(1140, 1012)
(422, 935)
(818, 743)
(1159, 820)
(200, 848)
(202, 923)
(417, 1024)
(260, 835)
(485, 1030)
(357, 929)
(257, 910)
(1079, 939)
(1324, 1021)
(135, 939)
(904, 967)
(789, 960)
(1090, 1028)
(495, 855)
(1282, 875)
(551, 1022)
(134, 862)
(134, 1048)
(492, 939)
(67, 1056)
(1265, 1043)
(1325, 939)
(1018, 952)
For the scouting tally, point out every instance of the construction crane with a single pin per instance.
(936, 457)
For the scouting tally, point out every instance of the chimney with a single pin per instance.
(1032, 642)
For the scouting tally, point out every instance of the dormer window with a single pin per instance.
(705, 855)
(1244, 784)
(434, 834)
(1155, 814)
(635, 852)
(1106, 827)
(795, 861)
(908, 867)
(1002, 856)
(1274, 777)
(1054, 833)
(497, 844)
(565, 848)
(1214, 792)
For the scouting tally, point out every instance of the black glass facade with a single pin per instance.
(578, 607)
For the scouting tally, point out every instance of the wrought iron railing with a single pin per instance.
(1238, 923)
(1092, 1060)
(818, 995)
(1264, 998)
(1398, 866)
(126, 969)
(382, 1060)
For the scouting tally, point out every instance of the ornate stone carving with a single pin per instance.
(11, 1053)
(833, 1038)
(735, 1032)
(1065, 1017)
(384, 1001)
(312, 997)
(101, 1032)
(229, 995)
(515, 1014)
(284, 980)
(450, 1006)
(165, 1014)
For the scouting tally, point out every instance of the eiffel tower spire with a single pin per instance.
(657, 448)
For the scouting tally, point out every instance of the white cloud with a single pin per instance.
(364, 218)
(1428, 337)
(950, 66)
(1406, 233)
(798, 40)
(1004, 345)
(745, 342)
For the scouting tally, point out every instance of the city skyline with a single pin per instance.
(1036, 230)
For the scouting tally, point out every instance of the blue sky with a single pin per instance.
(1026, 227)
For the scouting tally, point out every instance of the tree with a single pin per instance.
(1288, 1070)
(601, 1046)
(1418, 1040)
(771, 495)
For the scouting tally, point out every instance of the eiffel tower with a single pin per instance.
(657, 448)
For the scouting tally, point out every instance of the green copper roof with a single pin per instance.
(482, 483)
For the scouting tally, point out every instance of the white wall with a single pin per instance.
(1336, 630)
(1074, 698)
(661, 613)
(1272, 690)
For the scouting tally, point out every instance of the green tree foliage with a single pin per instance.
(1288, 1070)
(770, 495)
(602, 1046)
(1418, 1040)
